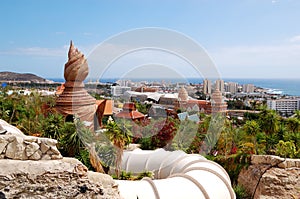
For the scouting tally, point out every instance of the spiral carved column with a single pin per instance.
(75, 100)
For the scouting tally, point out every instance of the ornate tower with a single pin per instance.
(74, 100)
(183, 95)
(217, 103)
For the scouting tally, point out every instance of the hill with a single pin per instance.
(22, 77)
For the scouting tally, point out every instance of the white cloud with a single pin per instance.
(36, 51)
(48, 52)
(295, 39)
(258, 61)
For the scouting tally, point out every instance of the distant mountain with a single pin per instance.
(22, 77)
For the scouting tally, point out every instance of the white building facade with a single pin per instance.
(119, 90)
(284, 106)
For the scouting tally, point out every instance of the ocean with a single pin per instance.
(281, 86)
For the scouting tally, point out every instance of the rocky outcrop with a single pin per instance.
(64, 178)
(32, 167)
(272, 177)
(28, 148)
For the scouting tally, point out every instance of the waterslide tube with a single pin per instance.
(177, 175)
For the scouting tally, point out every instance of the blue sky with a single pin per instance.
(245, 38)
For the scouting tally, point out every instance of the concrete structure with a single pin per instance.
(177, 175)
(119, 90)
(219, 84)
(248, 88)
(207, 87)
(231, 87)
(284, 106)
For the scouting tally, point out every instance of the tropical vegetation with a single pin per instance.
(233, 144)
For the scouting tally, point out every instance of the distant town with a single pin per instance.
(164, 94)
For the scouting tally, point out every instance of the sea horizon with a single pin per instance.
(284, 86)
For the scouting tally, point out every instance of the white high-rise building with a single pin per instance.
(219, 84)
(207, 86)
(232, 87)
(119, 90)
(248, 88)
(284, 106)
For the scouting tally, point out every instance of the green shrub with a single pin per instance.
(286, 149)
(148, 174)
(84, 157)
(241, 193)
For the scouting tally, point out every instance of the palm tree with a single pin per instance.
(252, 128)
(120, 137)
(269, 121)
(293, 124)
(185, 134)
(88, 139)
(297, 114)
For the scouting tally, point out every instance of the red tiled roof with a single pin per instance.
(129, 106)
(108, 106)
(129, 112)
(130, 115)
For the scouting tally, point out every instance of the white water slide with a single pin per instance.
(177, 175)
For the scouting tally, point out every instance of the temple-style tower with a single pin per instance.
(183, 95)
(74, 100)
(217, 103)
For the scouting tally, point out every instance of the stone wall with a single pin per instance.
(64, 178)
(272, 177)
(28, 148)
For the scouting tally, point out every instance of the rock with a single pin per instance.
(37, 155)
(276, 180)
(10, 138)
(16, 149)
(54, 150)
(11, 130)
(46, 157)
(31, 148)
(266, 159)
(52, 179)
(44, 147)
(3, 143)
(81, 169)
(292, 163)
(30, 139)
(50, 142)
(56, 157)
(282, 165)
(49, 152)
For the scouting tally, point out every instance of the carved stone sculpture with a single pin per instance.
(74, 100)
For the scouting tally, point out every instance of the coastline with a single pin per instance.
(284, 86)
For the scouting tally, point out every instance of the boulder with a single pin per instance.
(64, 178)
(11, 130)
(271, 177)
